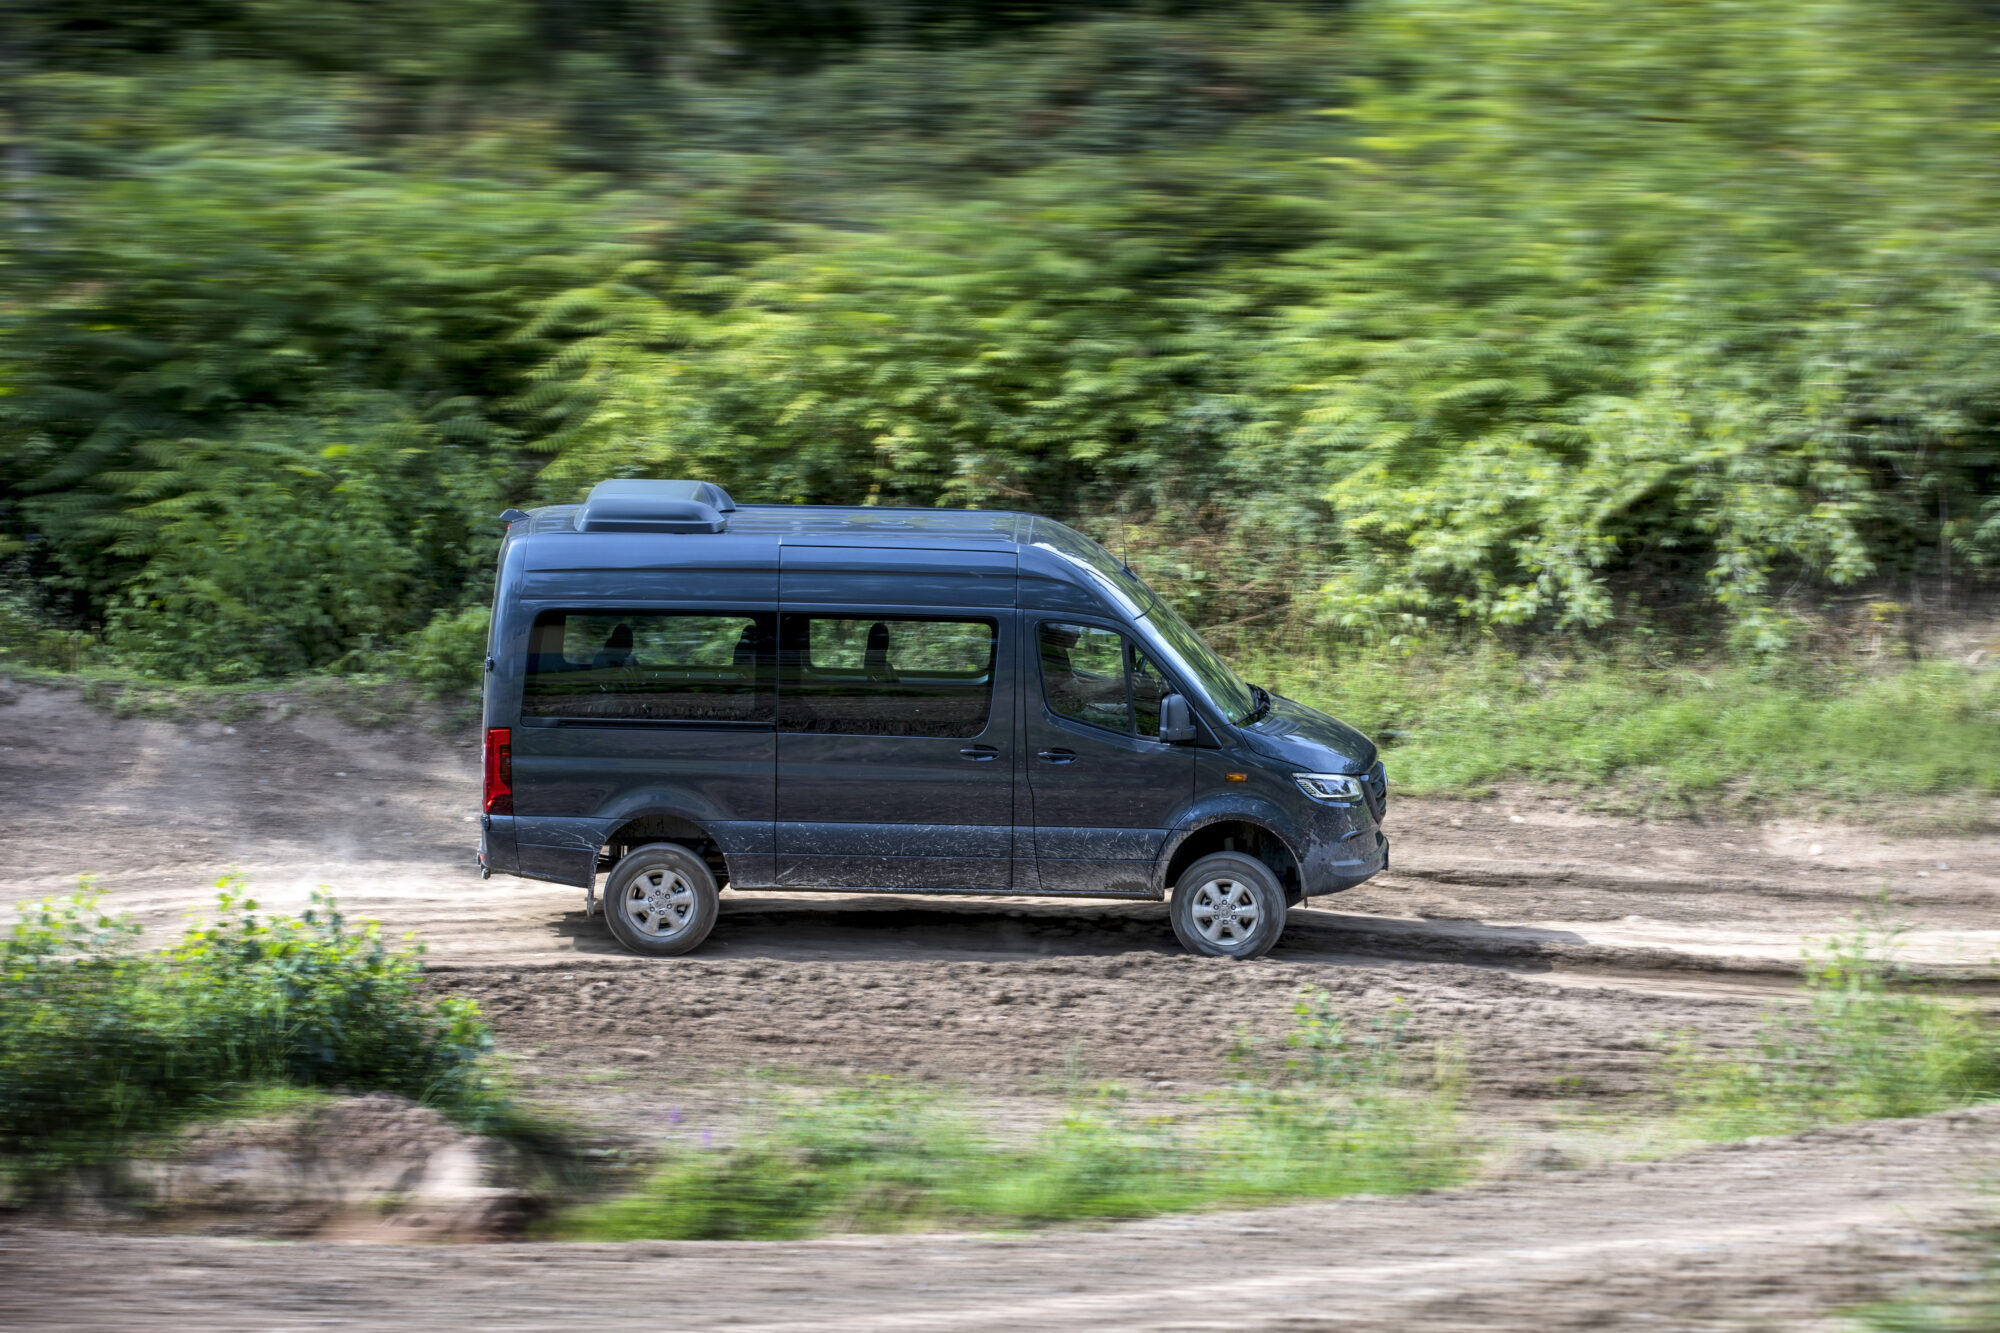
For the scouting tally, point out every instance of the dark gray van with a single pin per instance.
(688, 695)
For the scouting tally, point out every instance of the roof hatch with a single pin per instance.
(655, 506)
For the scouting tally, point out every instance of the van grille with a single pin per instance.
(1378, 788)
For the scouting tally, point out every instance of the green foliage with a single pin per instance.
(991, 359)
(1373, 317)
(100, 1042)
(286, 551)
(1683, 299)
(266, 430)
(1456, 720)
(1342, 1117)
(29, 638)
(1559, 316)
(1861, 1049)
(448, 655)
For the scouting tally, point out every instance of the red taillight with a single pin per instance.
(499, 771)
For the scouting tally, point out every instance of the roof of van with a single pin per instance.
(983, 526)
(649, 525)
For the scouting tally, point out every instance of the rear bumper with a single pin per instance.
(498, 852)
(561, 851)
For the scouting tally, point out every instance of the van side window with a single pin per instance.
(885, 675)
(652, 666)
(1099, 677)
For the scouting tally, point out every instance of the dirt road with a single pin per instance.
(1554, 946)
(1770, 1236)
(293, 798)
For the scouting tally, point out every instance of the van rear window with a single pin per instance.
(886, 675)
(654, 666)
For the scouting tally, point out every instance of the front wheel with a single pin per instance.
(660, 900)
(1228, 906)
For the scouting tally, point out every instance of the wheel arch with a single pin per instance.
(655, 826)
(1233, 830)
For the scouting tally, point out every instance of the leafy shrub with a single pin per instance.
(1861, 1049)
(267, 429)
(27, 639)
(446, 656)
(100, 1041)
(1339, 1118)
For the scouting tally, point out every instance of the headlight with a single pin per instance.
(1329, 786)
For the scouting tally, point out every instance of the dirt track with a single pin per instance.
(1759, 1237)
(1554, 945)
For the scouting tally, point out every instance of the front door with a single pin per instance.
(895, 750)
(1106, 789)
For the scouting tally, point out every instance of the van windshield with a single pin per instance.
(1223, 686)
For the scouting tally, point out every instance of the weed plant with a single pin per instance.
(100, 1041)
(1338, 1116)
(1861, 1049)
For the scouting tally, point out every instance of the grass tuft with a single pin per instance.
(1338, 1116)
(1861, 1049)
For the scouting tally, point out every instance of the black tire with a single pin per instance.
(660, 900)
(1228, 905)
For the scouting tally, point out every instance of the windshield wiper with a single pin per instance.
(1263, 705)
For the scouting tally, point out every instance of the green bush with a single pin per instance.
(1860, 1049)
(1341, 1116)
(100, 1041)
(447, 655)
(28, 639)
(266, 428)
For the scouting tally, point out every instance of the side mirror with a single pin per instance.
(1176, 720)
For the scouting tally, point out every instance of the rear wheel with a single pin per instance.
(660, 900)
(1228, 905)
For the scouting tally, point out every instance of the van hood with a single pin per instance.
(1309, 740)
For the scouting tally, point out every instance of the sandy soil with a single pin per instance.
(1555, 947)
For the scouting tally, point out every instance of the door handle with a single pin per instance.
(1057, 756)
(979, 754)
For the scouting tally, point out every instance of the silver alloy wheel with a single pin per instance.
(659, 903)
(1225, 911)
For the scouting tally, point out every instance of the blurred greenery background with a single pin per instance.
(1658, 334)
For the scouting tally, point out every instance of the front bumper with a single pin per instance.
(1347, 844)
(1336, 873)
